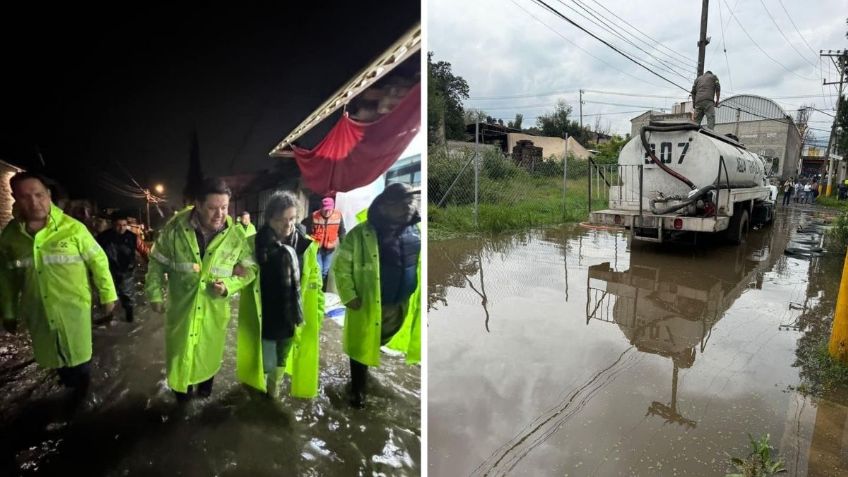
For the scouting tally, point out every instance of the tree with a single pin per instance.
(802, 118)
(474, 115)
(445, 93)
(557, 123)
(842, 126)
(516, 124)
(608, 152)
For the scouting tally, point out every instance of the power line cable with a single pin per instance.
(664, 65)
(692, 64)
(581, 48)
(569, 20)
(733, 15)
(796, 27)
(724, 46)
(784, 35)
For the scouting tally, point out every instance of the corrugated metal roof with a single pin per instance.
(750, 108)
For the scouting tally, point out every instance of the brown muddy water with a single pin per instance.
(563, 352)
(133, 426)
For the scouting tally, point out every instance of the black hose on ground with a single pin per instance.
(653, 156)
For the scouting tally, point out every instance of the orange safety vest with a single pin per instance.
(325, 231)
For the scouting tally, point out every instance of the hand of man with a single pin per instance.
(158, 307)
(108, 308)
(354, 304)
(218, 288)
(10, 326)
(239, 271)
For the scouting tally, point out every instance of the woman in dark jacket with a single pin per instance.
(280, 245)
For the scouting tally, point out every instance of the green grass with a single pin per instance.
(514, 205)
(832, 202)
(820, 373)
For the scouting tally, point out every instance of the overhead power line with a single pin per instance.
(784, 35)
(691, 63)
(724, 46)
(733, 15)
(572, 22)
(796, 27)
(580, 47)
(663, 65)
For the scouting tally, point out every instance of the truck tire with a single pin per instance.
(737, 231)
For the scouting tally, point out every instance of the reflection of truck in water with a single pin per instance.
(679, 177)
(667, 305)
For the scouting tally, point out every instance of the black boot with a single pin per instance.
(358, 383)
(128, 314)
(204, 389)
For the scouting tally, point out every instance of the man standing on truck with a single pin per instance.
(705, 97)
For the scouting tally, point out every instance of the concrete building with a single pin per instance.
(644, 118)
(6, 172)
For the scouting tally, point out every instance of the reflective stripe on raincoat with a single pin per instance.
(302, 362)
(196, 320)
(44, 283)
(356, 269)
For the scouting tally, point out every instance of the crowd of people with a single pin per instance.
(806, 191)
(201, 259)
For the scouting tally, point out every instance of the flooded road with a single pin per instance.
(561, 352)
(135, 427)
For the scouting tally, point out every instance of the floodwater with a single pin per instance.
(563, 352)
(133, 426)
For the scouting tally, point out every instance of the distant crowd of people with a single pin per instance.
(806, 191)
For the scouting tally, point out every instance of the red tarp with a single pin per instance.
(354, 154)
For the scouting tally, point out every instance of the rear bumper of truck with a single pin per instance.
(632, 220)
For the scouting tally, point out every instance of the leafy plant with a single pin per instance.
(759, 462)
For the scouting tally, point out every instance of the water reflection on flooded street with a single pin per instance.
(564, 352)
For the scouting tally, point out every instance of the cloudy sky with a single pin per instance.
(520, 53)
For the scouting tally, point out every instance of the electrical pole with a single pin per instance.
(581, 109)
(703, 41)
(840, 60)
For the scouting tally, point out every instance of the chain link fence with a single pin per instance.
(478, 188)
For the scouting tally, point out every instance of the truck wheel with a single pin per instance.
(737, 232)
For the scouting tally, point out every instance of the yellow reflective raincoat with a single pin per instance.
(302, 362)
(196, 320)
(250, 230)
(356, 270)
(44, 284)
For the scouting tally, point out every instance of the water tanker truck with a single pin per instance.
(678, 177)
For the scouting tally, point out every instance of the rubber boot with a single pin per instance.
(273, 380)
(358, 383)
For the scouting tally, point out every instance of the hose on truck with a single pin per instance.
(653, 156)
(689, 200)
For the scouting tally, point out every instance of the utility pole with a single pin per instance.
(581, 109)
(703, 41)
(840, 60)
(736, 132)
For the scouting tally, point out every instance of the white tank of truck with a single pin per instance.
(680, 177)
(693, 154)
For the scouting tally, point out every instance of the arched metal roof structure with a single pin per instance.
(750, 108)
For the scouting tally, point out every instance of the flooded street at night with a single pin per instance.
(566, 352)
(134, 426)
